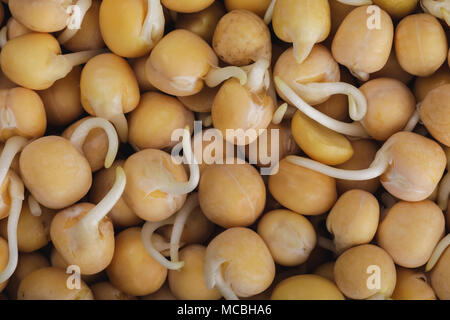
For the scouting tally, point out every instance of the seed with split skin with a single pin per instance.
(392, 69)
(35, 61)
(106, 291)
(236, 107)
(354, 219)
(358, 270)
(302, 190)
(440, 276)
(95, 147)
(22, 113)
(109, 89)
(306, 287)
(258, 7)
(121, 214)
(266, 145)
(181, 62)
(409, 166)
(51, 284)
(83, 235)
(28, 262)
(231, 257)
(289, 236)
(435, 113)
(412, 285)
(410, 231)
(189, 283)
(132, 270)
(420, 44)
(390, 105)
(49, 162)
(232, 195)
(136, 30)
(319, 142)
(361, 49)
(154, 120)
(62, 100)
(33, 232)
(202, 23)
(302, 22)
(363, 155)
(423, 85)
(88, 37)
(241, 38)
(44, 15)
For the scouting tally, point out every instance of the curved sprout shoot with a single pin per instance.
(440, 248)
(12, 146)
(269, 12)
(440, 9)
(357, 100)
(81, 132)
(444, 192)
(217, 75)
(258, 76)
(3, 36)
(147, 231)
(376, 168)
(223, 287)
(179, 223)
(153, 27)
(35, 208)
(180, 188)
(414, 120)
(75, 20)
(96, 214)
(16, 190)
(279, 114)
(355, 2)
(354, 129)
(60, 65)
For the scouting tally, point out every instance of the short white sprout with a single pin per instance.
(269, 12)
(33, 205)
(212, 274)
(77, 13)
(279, 114)
(438, 251)
(81, 132)
(153, 27)
(218, 75)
